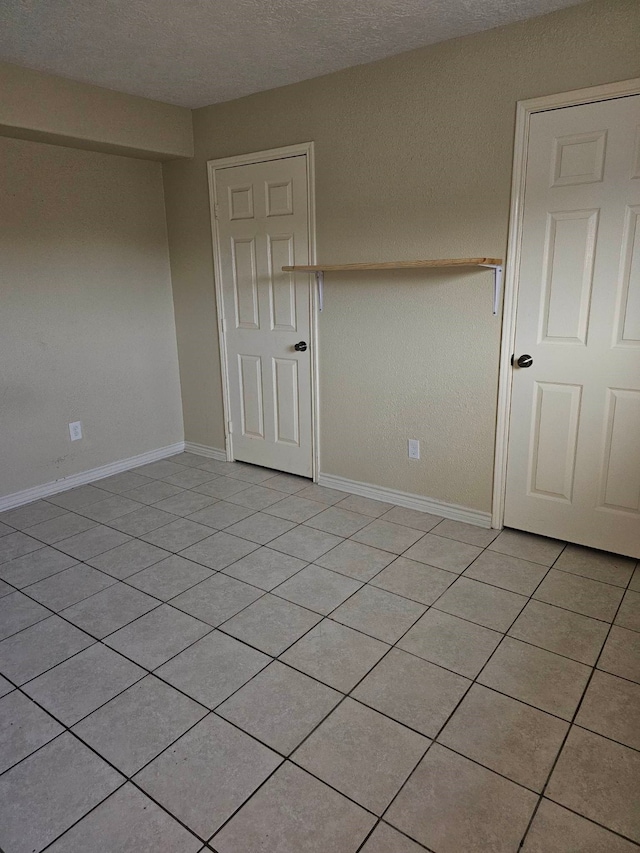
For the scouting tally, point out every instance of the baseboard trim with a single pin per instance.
(203, 450)
(36, 492)
(331, 481)
(406, 499)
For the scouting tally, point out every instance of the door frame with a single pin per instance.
(524, 111)
(305, 149)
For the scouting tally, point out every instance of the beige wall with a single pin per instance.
(51, 109)
(413, 160)
(87, 329)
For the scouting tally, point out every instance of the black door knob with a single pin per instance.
(300, 347)
(525, 361)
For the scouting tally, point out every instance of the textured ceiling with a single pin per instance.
(198, 52)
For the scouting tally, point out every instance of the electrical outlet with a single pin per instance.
(414, 448)
(75, 430)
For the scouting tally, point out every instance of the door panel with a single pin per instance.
(240, 202)
(628, 313)
(251, 400)
(621, 481)
(285, 393)
(262, 222)
(573, 468)
(579, 159)
(279, 198)
(569, 254)
(245, 284)
(555, 416)
(282, 287)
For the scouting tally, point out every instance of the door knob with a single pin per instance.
(301, 346)
(525, 361)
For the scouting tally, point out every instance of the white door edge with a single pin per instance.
(524, 111)
(305, 149)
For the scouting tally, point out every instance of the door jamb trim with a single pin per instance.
(305, 149)
(524, 111)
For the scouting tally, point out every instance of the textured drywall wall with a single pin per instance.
(413, 160)
(87, 330)
(51, 109)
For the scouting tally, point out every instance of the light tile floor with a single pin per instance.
(198, 655)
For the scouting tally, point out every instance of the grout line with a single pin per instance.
(124, 580)
(109, 633)
(453, 711)
(131, 781)
(322, 616)
(571, 726)
(577, 814)
(92, 809)
(69, 729)
(52, 613)
(154, 672)
(393, 829)
(69, 726)
(244, 802)
(331, 711)
(25, 589)
(117, 651)
(309, 734)
(261, 650)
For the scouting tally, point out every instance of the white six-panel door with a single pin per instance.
(573, 468)
(262, 224)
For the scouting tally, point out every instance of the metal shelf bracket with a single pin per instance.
(497, 284)
(320, 283)
(447, 262)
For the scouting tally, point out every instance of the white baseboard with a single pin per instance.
(203, 450)
(36, 492)
(365, 490)
(406, 499)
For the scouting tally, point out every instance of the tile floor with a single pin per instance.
(198, 655)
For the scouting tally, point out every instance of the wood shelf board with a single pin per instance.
(397, 265)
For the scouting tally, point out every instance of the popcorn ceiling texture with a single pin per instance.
(195, 53)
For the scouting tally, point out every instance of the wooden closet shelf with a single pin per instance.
(398, 265)
(320, 269)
